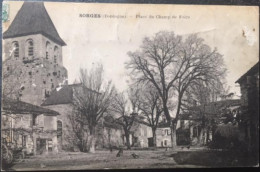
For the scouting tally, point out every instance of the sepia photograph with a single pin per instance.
(129, 86)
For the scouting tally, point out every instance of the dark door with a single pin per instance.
(41, 145)
(150, 142)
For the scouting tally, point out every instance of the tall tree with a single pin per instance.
(172, 65)
(91, 101)
(127, 118)
(151, 108)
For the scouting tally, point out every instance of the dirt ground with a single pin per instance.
(100, 160)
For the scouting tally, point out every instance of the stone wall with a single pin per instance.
(65, 110)
(163, 137)
(33, 77)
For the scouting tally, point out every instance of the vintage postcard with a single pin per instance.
(127, 86)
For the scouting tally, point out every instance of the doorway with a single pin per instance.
(40, 145)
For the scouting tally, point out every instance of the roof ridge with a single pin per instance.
(33, 18)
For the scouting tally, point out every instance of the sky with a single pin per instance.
(233, 30)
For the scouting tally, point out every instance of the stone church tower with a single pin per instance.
(33, 54)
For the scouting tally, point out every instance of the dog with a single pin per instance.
(135, 156)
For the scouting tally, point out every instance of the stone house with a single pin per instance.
(249, 86)
(28, 126)
(61, 100)
(140, 134)
(163, 135)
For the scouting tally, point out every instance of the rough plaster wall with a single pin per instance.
(65, 110)
(38, 75)
(161, 137)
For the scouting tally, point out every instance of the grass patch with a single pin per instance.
(214, 158)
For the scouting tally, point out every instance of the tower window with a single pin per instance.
(56, 54)
(15, 49)
(29, 47)
(48, 45)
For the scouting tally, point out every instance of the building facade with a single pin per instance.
(33, 54)
(249, 86)
(32, 68)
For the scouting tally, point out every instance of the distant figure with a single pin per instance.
(135, 155)
(120, 152)
(188, 147)
(111, 148)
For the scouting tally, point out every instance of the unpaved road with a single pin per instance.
(99, 160)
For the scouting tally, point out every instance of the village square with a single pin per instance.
(175, 112)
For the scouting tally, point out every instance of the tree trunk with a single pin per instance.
(201, 137)
(207, 136)
(92, 144)
(154, 137)
(127, 141)
(173, 135)
(92, 139)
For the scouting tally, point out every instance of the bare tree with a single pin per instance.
(151, 108)
(91, 101)
(127, 118)
(172, 65)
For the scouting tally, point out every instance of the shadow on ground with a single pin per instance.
(215, 158)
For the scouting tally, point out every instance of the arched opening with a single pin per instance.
(29, 48)
(56, 54)
(59, 133)
(15, 49)
(48, 47)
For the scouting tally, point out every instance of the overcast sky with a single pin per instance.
(92, 40)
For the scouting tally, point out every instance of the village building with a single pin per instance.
(140, 134)
(193, 129)
(32, 68)
(163, 135)
(249, 86)
(29, 127)
(61, 100)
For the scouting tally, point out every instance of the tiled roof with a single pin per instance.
(62, 96)
(33, 18)
(213, 108)
(19, 107)
(250, 72)
(163, 125)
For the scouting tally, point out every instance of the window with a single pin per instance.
(29, 48)
(166, 132)
(34, 119)
(182, 124)
(56, 54)
(163, 132)
(15, 49)
(23, 140)
(59, 129)
(48, 46)
(165, 142)
(195, 132)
